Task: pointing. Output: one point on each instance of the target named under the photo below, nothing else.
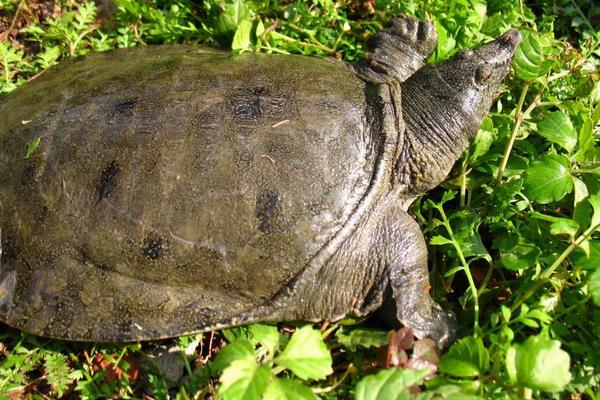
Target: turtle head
(474, 76)
(443, 106)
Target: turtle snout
(511, 38)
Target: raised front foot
(419, 35)
(399, 50)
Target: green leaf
(581, 191)
(233, 12)
(288, 389)
(557, 127)
(237, 350)
(564, 226)
(260, 29)
(594, 200)
(594, 286)
(239, 332)
(465, 225)
(363, 337)
(389, 384)
(468, 357)
(482, 142)
(539, 364)
(244, 380)
(466, 391)
(591, 260)
(548, 179)
(306, 355)
(32, 147)
(241, 39)
(528, 58)
(445, 42)
(439, 240)
(267, 335)
(517, 252)
(586, 140)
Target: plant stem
(278, 369)
(465, 268)
(544, 276)
(515, 131)
(463, 180)
(587, 171)
(336, 384)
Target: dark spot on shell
(153, 247)
(124, 108)
(266, 209)
(246, 104)
(28, 175)
(108, 180)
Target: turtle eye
(483, 73)
(465, 53)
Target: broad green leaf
(445, 42)
(244, 380)
(595, 202)
(548, 179)
(591, 260)
(237, 350)
(239, 332)
(465, 225)
(468, 357)
(362, 337)
(517, 252)
(594, 286)
(232, 13)
(482, 142)
(557, 127)
(288, 389)
(241, 39)
(389, 384)
(538, 363)
(586, 140)
(528, 57)
(306, 355)
(451, 391)
(564, 226)
(267, 335)
(581, 191)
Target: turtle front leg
(408, 279)
(399, 50)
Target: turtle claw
(399, 50)
(418, 35)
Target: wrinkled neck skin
(438, 129)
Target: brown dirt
(24, 14)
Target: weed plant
(513, 232)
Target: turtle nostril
(513, 36)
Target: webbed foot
(399, 50)
(419, 35)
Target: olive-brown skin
(177, 189)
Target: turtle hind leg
(399, 50)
